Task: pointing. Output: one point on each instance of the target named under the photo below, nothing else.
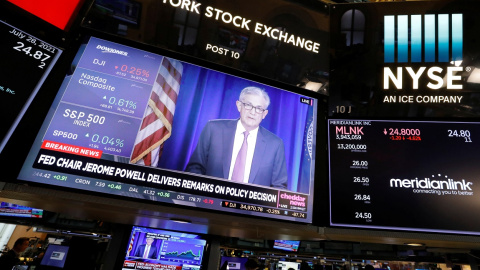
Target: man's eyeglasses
(249, 106)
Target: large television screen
(160, 249)
(404, 175)
(135, 123)
(19, 211)
(26, 62)
(287, 245)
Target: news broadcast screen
(138, 124)
(160, 249)
(287, 245)
(15, 210)
(404, 175)
(21, 53)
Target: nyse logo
(423, 39)
(431, 31)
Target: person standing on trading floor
(10, 259)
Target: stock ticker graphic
(175, 251)
(409, 36)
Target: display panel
(159, 249)
(233, 263)
(55, 256)
(57, 12)
(404, 175)
(23, 56)
(123, 107)
(287, 245)
(405, 59)
(14, 210)
(288, 265)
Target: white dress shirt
(237, 144)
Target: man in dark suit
(223, 143)
(147, 251)
(11, 258)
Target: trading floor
(239, 135)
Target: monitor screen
(55, 256)
(139, 124)
(404, 175)
(287, 245)
(25, 55)
(233, 263)
(288, 266)
(160, 249)
(421, 63)
(57, 12)
(14, 210)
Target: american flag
(130, 246)
(157, 121)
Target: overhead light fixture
(183, 221)
(415, 244)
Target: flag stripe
(174, 70)
(167, 88)
(166, 108)
(147, 159)
(149, 130)
(149, 119)
(147, 142)
(158, 117)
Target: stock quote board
(26, 62)
(403, 117)
(404, 175)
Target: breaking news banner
(169, 180)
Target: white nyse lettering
(433, 76)
(415, 76)
(433, 73)
(451, 77)
(388, 74)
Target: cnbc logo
(423, 40)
